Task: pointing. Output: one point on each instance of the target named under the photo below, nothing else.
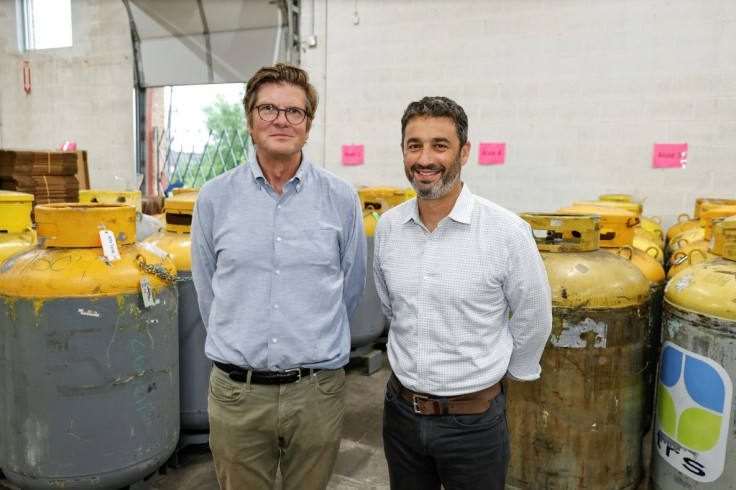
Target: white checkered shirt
(448, 295)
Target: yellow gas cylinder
(382, 198)
(16, 228)
(563, 426)
(145, 225)
(645, 240)
(682, 256)
(375, 201)
(367, 323)
(684, 222)
(617, 236)
(653, 223)
(90, 377)
(194, 366)
(684, 238)
(694, 436)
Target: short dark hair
(280, 73)
(437, 107)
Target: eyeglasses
(269, 113)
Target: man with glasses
(279, 262)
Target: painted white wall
(579, 91)
(83, 93)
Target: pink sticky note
(352, 154)
(668, 155)
(491, 153)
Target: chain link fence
(179, 163)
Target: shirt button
(278, 238)
(276, 307)
(278, 206)
(274, 340)
(278, 271)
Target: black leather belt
(236, 373)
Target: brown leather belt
(470, 404)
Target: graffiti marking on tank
(88, 312)
(579, 336)
(72, 434)
(683, 283)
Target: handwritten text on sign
(669, 155)
(491, 153)
(352, 154)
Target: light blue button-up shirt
(277, 277)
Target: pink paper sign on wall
(491, 153)
(669, 155)
(352, 154)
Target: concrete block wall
(83, 93)
(579, 90)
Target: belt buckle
(415, 398)
(298, 373)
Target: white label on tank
(574, 335)
(109, 245)
(691, 425)
(147, 293)
(88, 313)
(162, 254)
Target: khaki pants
(254, 428)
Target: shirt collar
(461, 211)
(298, 177)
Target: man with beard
(467, 297)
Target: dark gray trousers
(459, 452)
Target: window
(48, 24)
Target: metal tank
(194, 366)
(617, 236)
(579, 426)
(694, 438)
(16, 228)
(375, 201)
(653, 223)
(89, 371)
(145, 225)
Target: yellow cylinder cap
(382, 198)
(557, 232)
(699, 202)
(78, 225)
(729, 239)
(617, 224)
(179, 210)
(183, 190)
(709, 212)
(15, 211)
(634, 207)
(616, 197)
(105, 196)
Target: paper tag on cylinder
(147, 293)
(109, 245)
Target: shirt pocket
(319, 247)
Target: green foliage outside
(229, 144)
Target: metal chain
(161, 272)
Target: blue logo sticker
(693, 410)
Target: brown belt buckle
(416, 398)
(298, 373)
